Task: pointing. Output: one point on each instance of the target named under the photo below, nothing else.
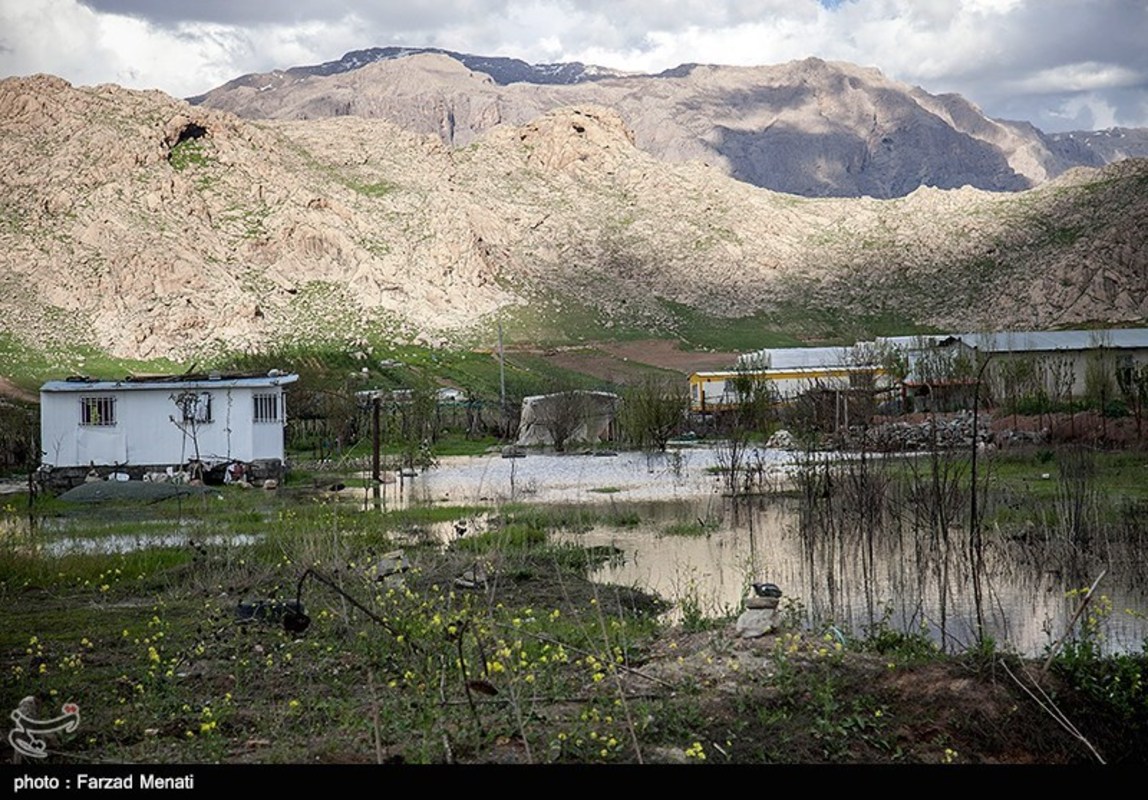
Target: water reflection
(586, 478)
(905, 582)
(856, 552)
(842, 558)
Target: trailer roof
(180, 382)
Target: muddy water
(901, 581)
(580, 478)
(710, 570)
(115, 543)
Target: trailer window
(195, 408)
(266, 408)
(98, 411)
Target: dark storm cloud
(401, 15)
(1043, 35)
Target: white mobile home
(1057, 366)
(153, 423)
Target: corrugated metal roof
(912, 342)
(759, 373)
(89, 385)
(1036, 341)
(772, 358)
(797, 357)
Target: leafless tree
(652, 411)
(560, 414)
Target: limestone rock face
(809, 127)
(144, 226)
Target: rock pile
(782, 440)
(954, 432)
(761, 615)
(940, 433)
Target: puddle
(1026, 607)
(574, 478)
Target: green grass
(791, 324)
(376, 189)
(147, 642)
(569, 517)
(700, 330)
(28, 366)
(428, 514)
(510, 537)
(551, 320)
(25, 569)
(1016, 495)
(189, 153)
(685, 528)
(1120, 475)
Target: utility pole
(501, 382)
(376, 476)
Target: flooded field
(687, 540)
(679, 534)
(710, 573)
(576, 478)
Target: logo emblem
(24, 738)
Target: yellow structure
(712, 392)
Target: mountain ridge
(144, 226)
(808, 127)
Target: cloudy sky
(1061, 64)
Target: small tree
(20, 436)
(1100, 374)
(1133, 382)
(652, 412)
(413, 427)
(752, 413)
(1060, 379)
(560, 413)
(192, 409)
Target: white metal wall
(146, 429)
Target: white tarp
(577, 416)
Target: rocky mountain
(812, 128)
(144, 226)
(1095, 148)
(503, 71)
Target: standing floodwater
(853, 543)
(703, 557)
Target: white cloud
(1087, 111)
(1087, 77)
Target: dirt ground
(9, 389)
(791, 698)
(623, 362)
(795, 697)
